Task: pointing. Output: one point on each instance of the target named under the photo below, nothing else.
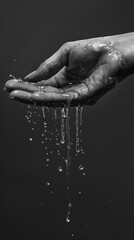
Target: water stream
(62, 137)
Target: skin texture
(79, 73)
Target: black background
(30, 32)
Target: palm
(79, 73)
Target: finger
(59, 80)
(39, 98)
(51, 66)
(28, 87)
(20, 85)
(97, 82)
(47, 99)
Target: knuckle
(66, 45)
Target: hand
(79, 73)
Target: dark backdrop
(30, 32)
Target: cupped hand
(79, 73)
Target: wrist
(125, 44)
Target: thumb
(51, 66)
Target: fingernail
(30, 75)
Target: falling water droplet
(68, 218)
(68, 213)
(60, 169)
(48, 183)
(81, 167)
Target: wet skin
(79, 73)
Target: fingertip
(11, 95)
(30, 76)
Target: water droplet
(81, 167)
(68, 212)
(55, 113)
(43, 112)
(68, 218)
(30, 139)
(62, 141)
(11, 76)
(63, 113)
(48, 183)
(60, 169)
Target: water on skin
(13, 77)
